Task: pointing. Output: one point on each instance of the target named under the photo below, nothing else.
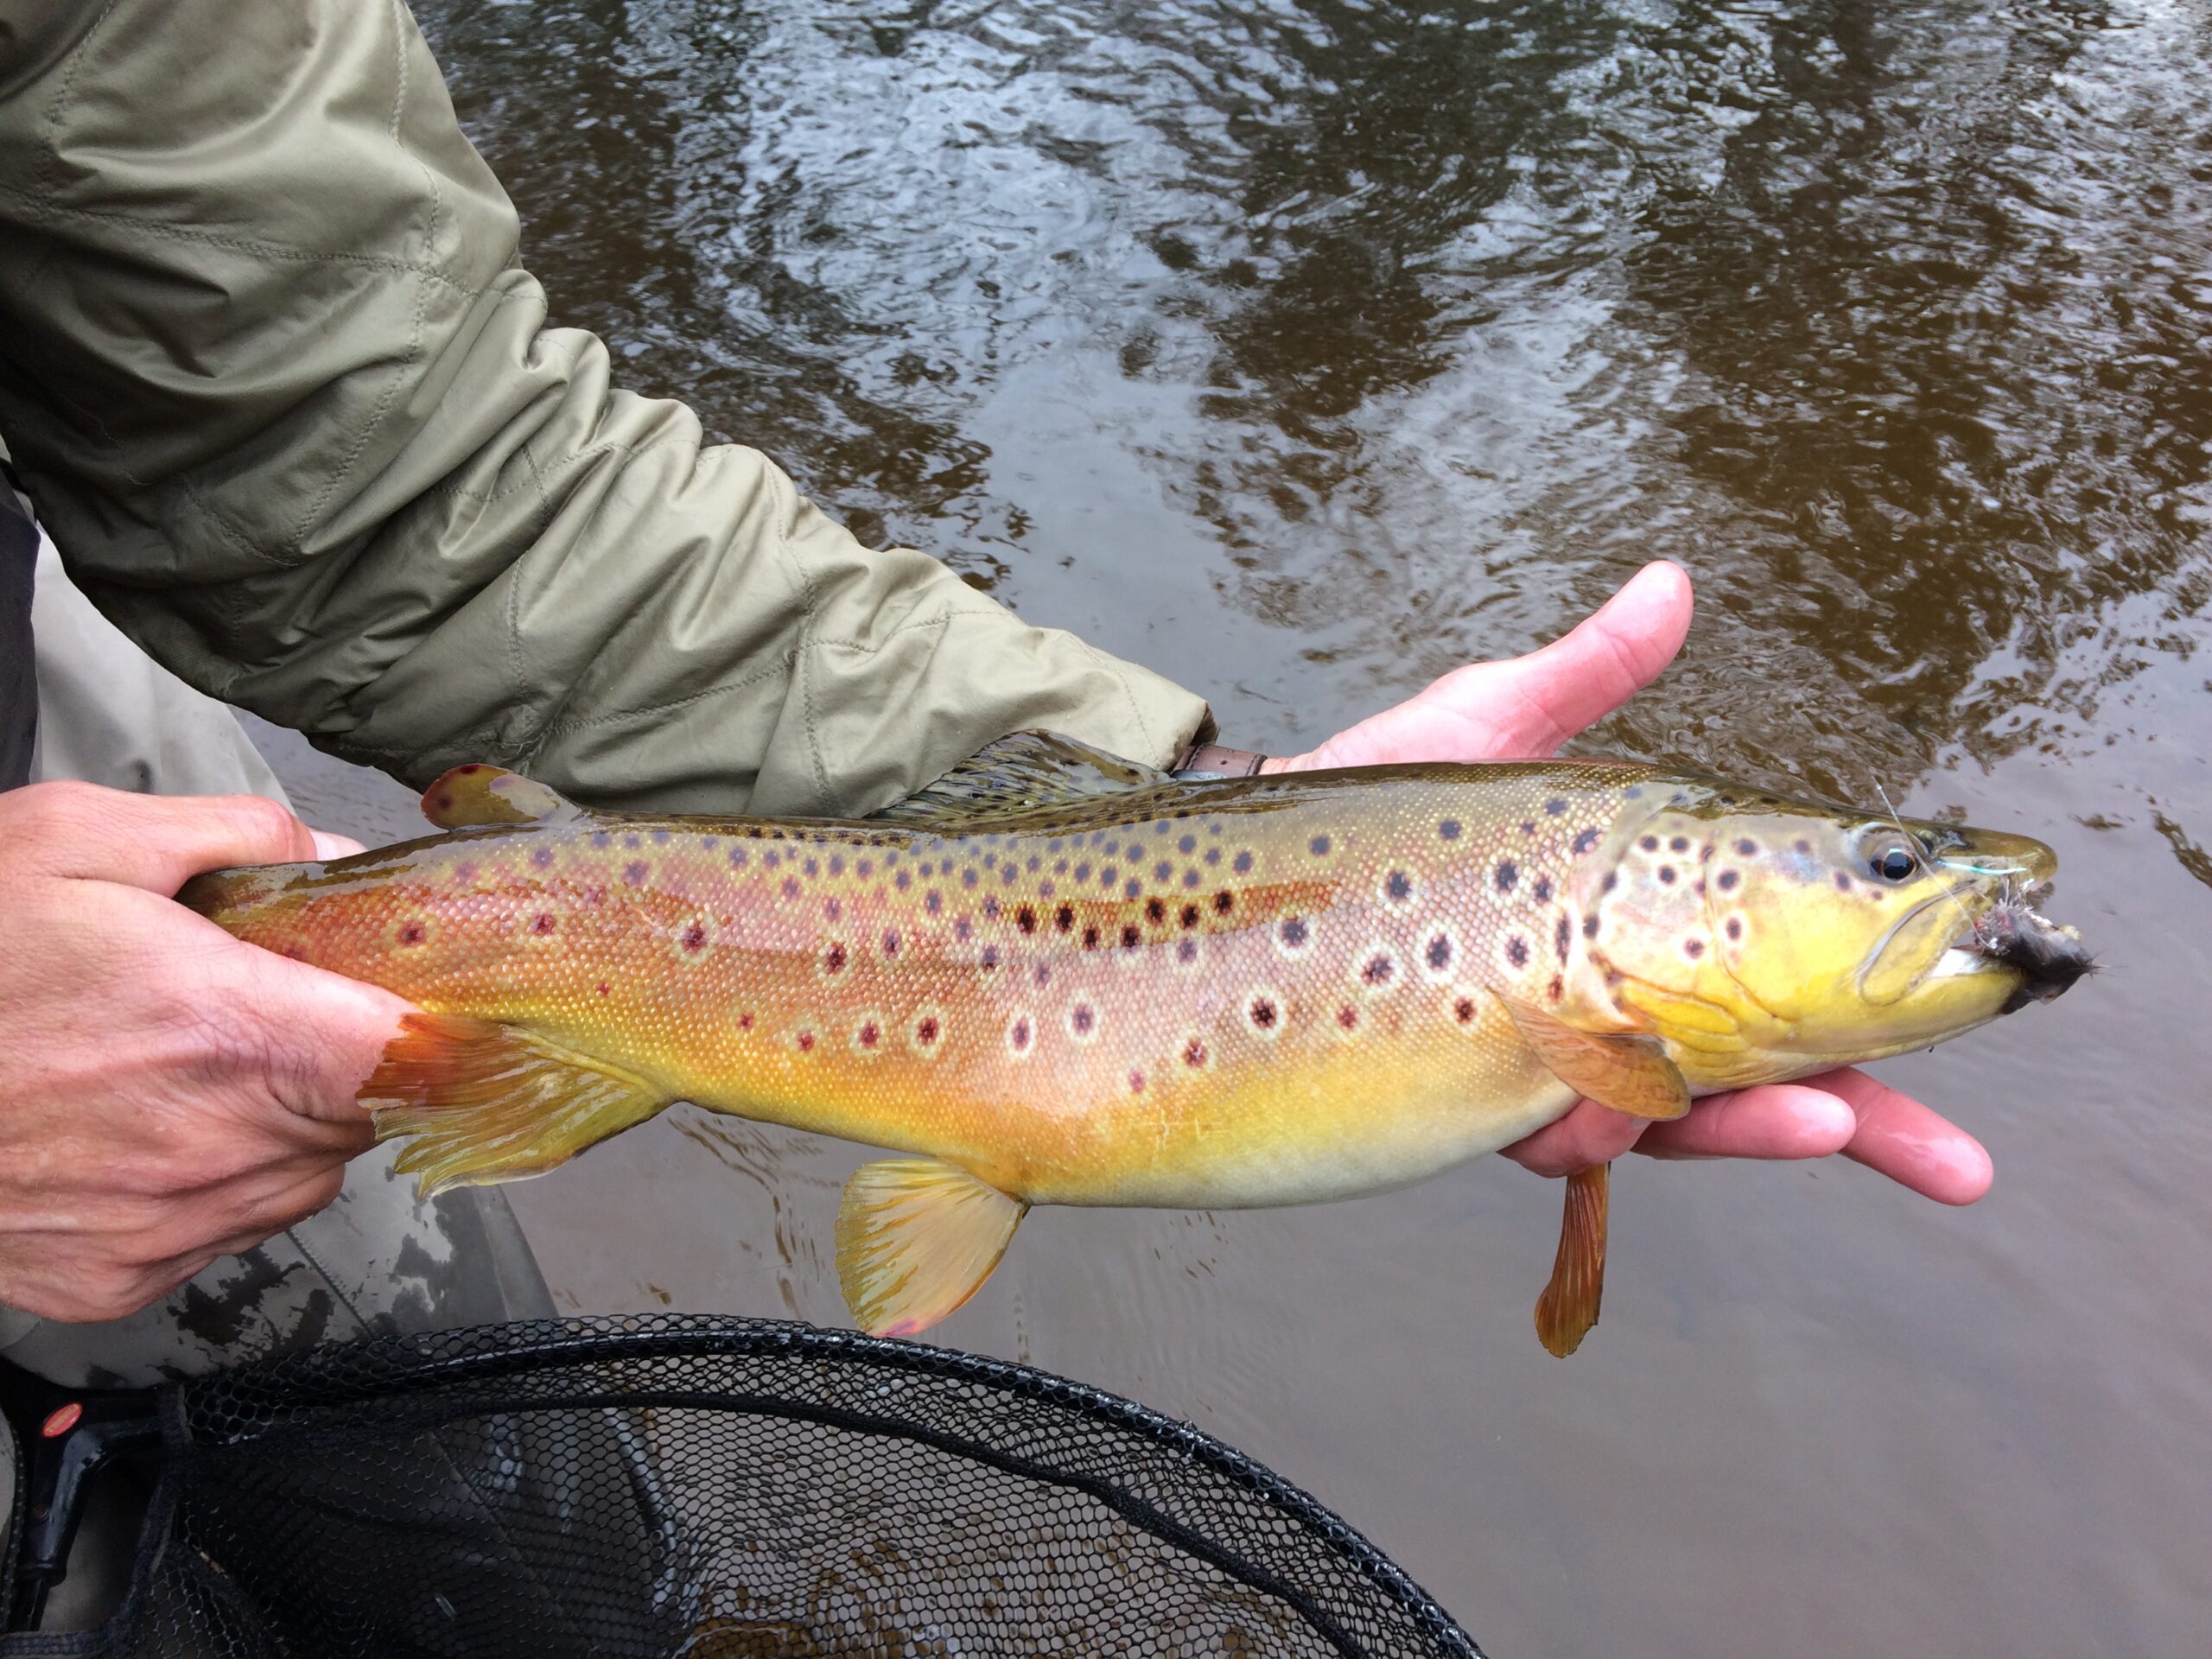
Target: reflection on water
(1305, 350)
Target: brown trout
(1057, 977)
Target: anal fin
(1568, 1306)
(486, 1102)
(916, 1238)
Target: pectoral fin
(486, 1102)
(479, 794)
(1568, 1306)
(1625, 1071)
(916, 1238)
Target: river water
(1303, 351)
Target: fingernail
(327, 846)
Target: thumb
(320, 1035)
(1542, 699)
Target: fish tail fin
(1568, 1306)
(483, 1102)
(916, 1238)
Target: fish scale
(1266, 991)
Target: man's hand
(1524, 708)
(168, 1093)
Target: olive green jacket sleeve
(290, 408)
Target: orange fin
(488, 1102)
(1625, 1071)
(916, 1238)
(1568, 1306)
(478, 794)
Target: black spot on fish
(1263, 1013)
(1083, 871)
(1554, 806)
(1130, 889)
(1110, 876)
(1222, 901)
(1188, 843)
(1132, 936)
(1187, 951)
(890, 941)
(1590, 926)
(1516, 951)
(1091, 937)
(1507, 873)
(1805, 847)
(1842, 881)
(1379, 970)
(1242, 863)
(1735, 927)
(1542, 890)
(1692, 949)
(1666, 875)
(1449, 829)
(1563, 938)
(1154, 911)
(1189, 878)
(1399, 885)
(1649, 843)
(1162, 870)
(1026, 919)
(1748, 848)
(1317, 846)
(1439, 953)
(1679, 844)
(1634, 792)
(1295, 933)
(1190, 916)
(1583, 842)
(1726, 880)
(1063, 917)
(990, 961)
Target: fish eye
(1893, 860)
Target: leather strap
(1214, 760)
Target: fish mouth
(2013, 934)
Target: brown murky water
(1302, 350)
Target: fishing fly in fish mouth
(1058, 977)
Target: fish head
(1764, 938)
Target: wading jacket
(277, 386)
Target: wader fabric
(282, 394)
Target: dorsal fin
(478, 794)
(1022, 772)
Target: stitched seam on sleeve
(258, 248)
(616, 716)
(55, 115)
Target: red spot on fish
(926, 1031)
(1378, 970)
(1190, 915)
(602, 988)
(1091, 937)
(868, 1034)
(470, 770)
(1063, 917)
(1263, 1013)
(1132, 937)
(1556, 988)
(412, 933)
(744, 1020)
(1222, 902)
(1136, 1083)
(1026, 919)
(1194, 1053)
(1082, 1018)
(833, 960)
(805, 1042)
(695, 937)
(1348, 1016)
(1155, 909)
(544, 924)
(890, 941)
(1464, 1010)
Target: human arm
(290, 408)
(1525, 708)
(168, 1093)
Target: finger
(1549, 695)
(328, 846)
(313, 1036)
(1906, 1142)
(1588, 1135)
(156, 842)
(1777, 1120)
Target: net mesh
(714, 1487)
